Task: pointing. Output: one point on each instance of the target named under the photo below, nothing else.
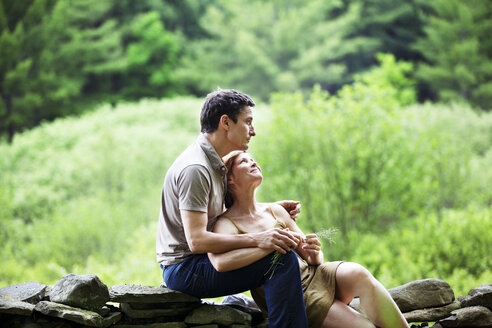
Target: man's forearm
(237, 258)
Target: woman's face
(245, 171)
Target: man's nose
(252, 131)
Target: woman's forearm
(237, 258)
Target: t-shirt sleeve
(194, 188)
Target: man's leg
(196, 276)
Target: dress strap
(273, 213)
(280, 223)
(241, 231)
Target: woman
(328, 287)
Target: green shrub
(453, 246)
(366, 159)
(79, 188)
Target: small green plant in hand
(326, 234)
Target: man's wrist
(250, 239)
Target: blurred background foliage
(376, 117)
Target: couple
(208, 253)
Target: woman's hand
(312, 248)
(281, 240)
(292, 207)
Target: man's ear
(224, 122)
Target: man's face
(241, 132)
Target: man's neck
(218, 141)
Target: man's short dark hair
(222, 102)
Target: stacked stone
(432, 300)
(145, 306)
(73, 302)
(84, 301)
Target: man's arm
(292, 207)
(202, 241)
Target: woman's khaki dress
(318, 284)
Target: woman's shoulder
(225, 225)
(278, 210)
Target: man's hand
(292, 207)
(281, 240)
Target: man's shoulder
(191, 156)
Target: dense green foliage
(59, 58)
(407, 185)
(457, 50)
(79, 193)
(370, 164)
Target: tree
(59, 58)
(18, 34)
(152, 57)
(263, 47)
(458, 51)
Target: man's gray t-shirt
(196, 181)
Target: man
(192, 199)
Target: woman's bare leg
(352, 280)
(341, 315)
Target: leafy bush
(79, 188)
(367, 159)
(454, 246)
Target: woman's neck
(244, 205)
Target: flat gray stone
(480, 296)
(422, 294)
(147, 294)
(153, 313)
(431, 314)
(111, 319)
(217, 314)
(482, 289)
(31, 291)
(475, 316)
(156, 325)
(173, 305)
(14, 306)
(80, 316)
(83, 291)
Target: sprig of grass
(275, 260)
(326, 234)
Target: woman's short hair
(229, 163)
(222, 102)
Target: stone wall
(85, 301)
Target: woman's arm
(236, 258)
(310, 248)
